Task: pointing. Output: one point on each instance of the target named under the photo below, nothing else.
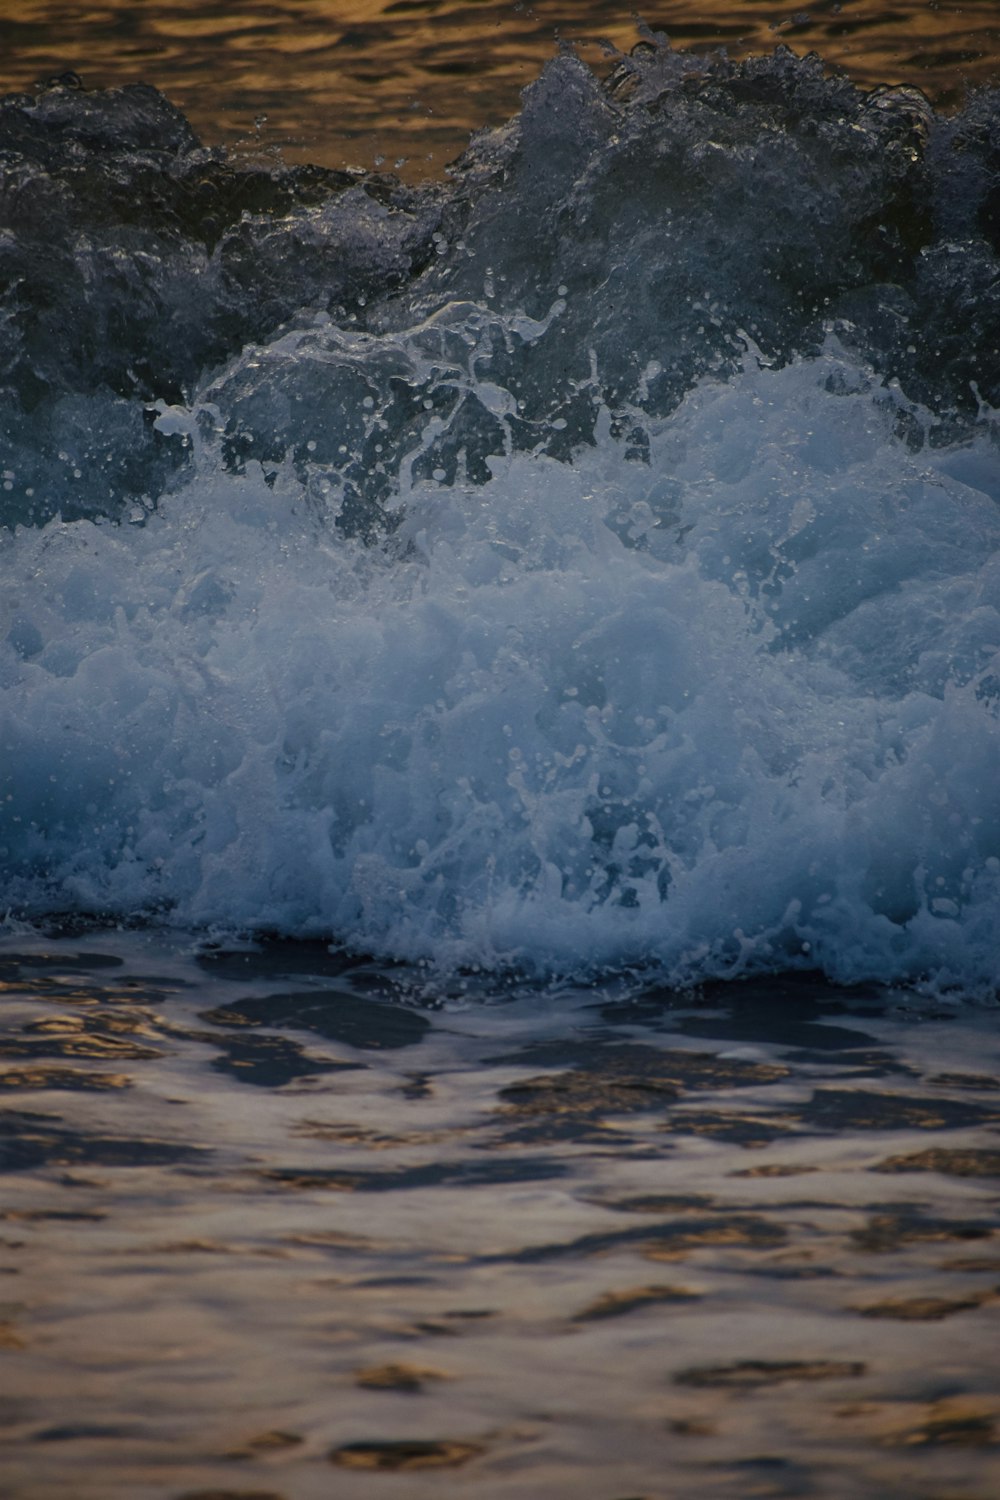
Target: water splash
(588, 562)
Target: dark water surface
(345, 81)
(280, 1223)
(270, 1228)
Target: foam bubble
(734, 707)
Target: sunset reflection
(499, 814)
(342, 82)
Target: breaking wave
(591, 560)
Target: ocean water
(271, 1229)
(587, 561)
(364, 81)
(500, 798)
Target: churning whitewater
(590, 561)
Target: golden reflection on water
(442, 1266)
(344, 81)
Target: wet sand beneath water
(268, 1232)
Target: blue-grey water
(500, 798)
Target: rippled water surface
(273, 1227)
(341, 81)
(572, 578)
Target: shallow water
(270, 1227)
(577, 578)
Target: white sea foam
(736, 708)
